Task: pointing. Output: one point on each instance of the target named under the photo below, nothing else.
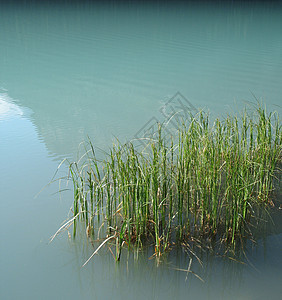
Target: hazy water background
(76, 69)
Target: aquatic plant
(205, 183)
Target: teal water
(72, 70)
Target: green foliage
(207, 181)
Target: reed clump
(204, 183)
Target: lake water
(75, 69)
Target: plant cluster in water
(206, 183)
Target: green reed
(206, 181)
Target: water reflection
(103, 70)
(224, 278)
(8, 109)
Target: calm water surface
(68, 71)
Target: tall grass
(207, 181)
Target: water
(72, 70)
